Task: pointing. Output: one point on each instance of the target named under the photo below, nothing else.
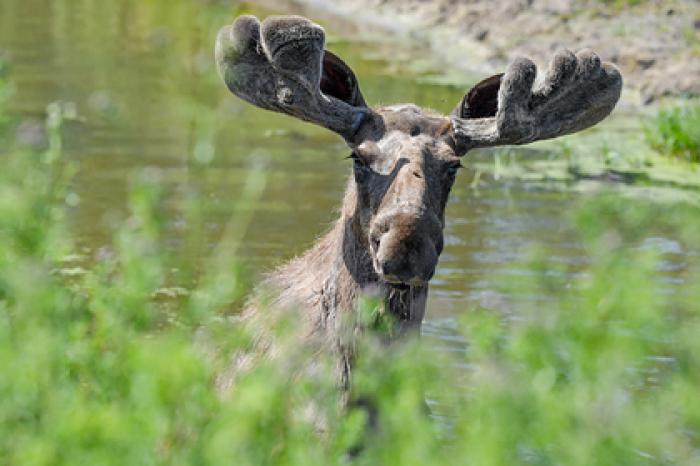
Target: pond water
(142, 78)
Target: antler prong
(578, 91)
(278, 65)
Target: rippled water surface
(141, 76)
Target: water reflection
(142, 77)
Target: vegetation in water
(116, 361)
(623, 3)
(676, 131)
(644, 158)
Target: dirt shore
(655, 43)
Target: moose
(389, 236)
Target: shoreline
(656, 45)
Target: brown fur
(389, 235)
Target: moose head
(405, 157)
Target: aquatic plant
(676, 131)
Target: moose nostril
(396, 269)
(374, 241)
(390, 267)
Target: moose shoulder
(405, 159)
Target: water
(143, 81)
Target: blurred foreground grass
(108, 365)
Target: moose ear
(338, 80)
(481, 101)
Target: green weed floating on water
(676, 131)
(99, 368)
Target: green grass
(99, 367)
(5, 90)
(676, 131)
(623, 3)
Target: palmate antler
(281, 65)
(577, 92)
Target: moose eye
(360, 167)
(452, 169)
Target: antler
(578, 91)
(280, 65)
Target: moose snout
(405, 248)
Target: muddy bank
(656, 44)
